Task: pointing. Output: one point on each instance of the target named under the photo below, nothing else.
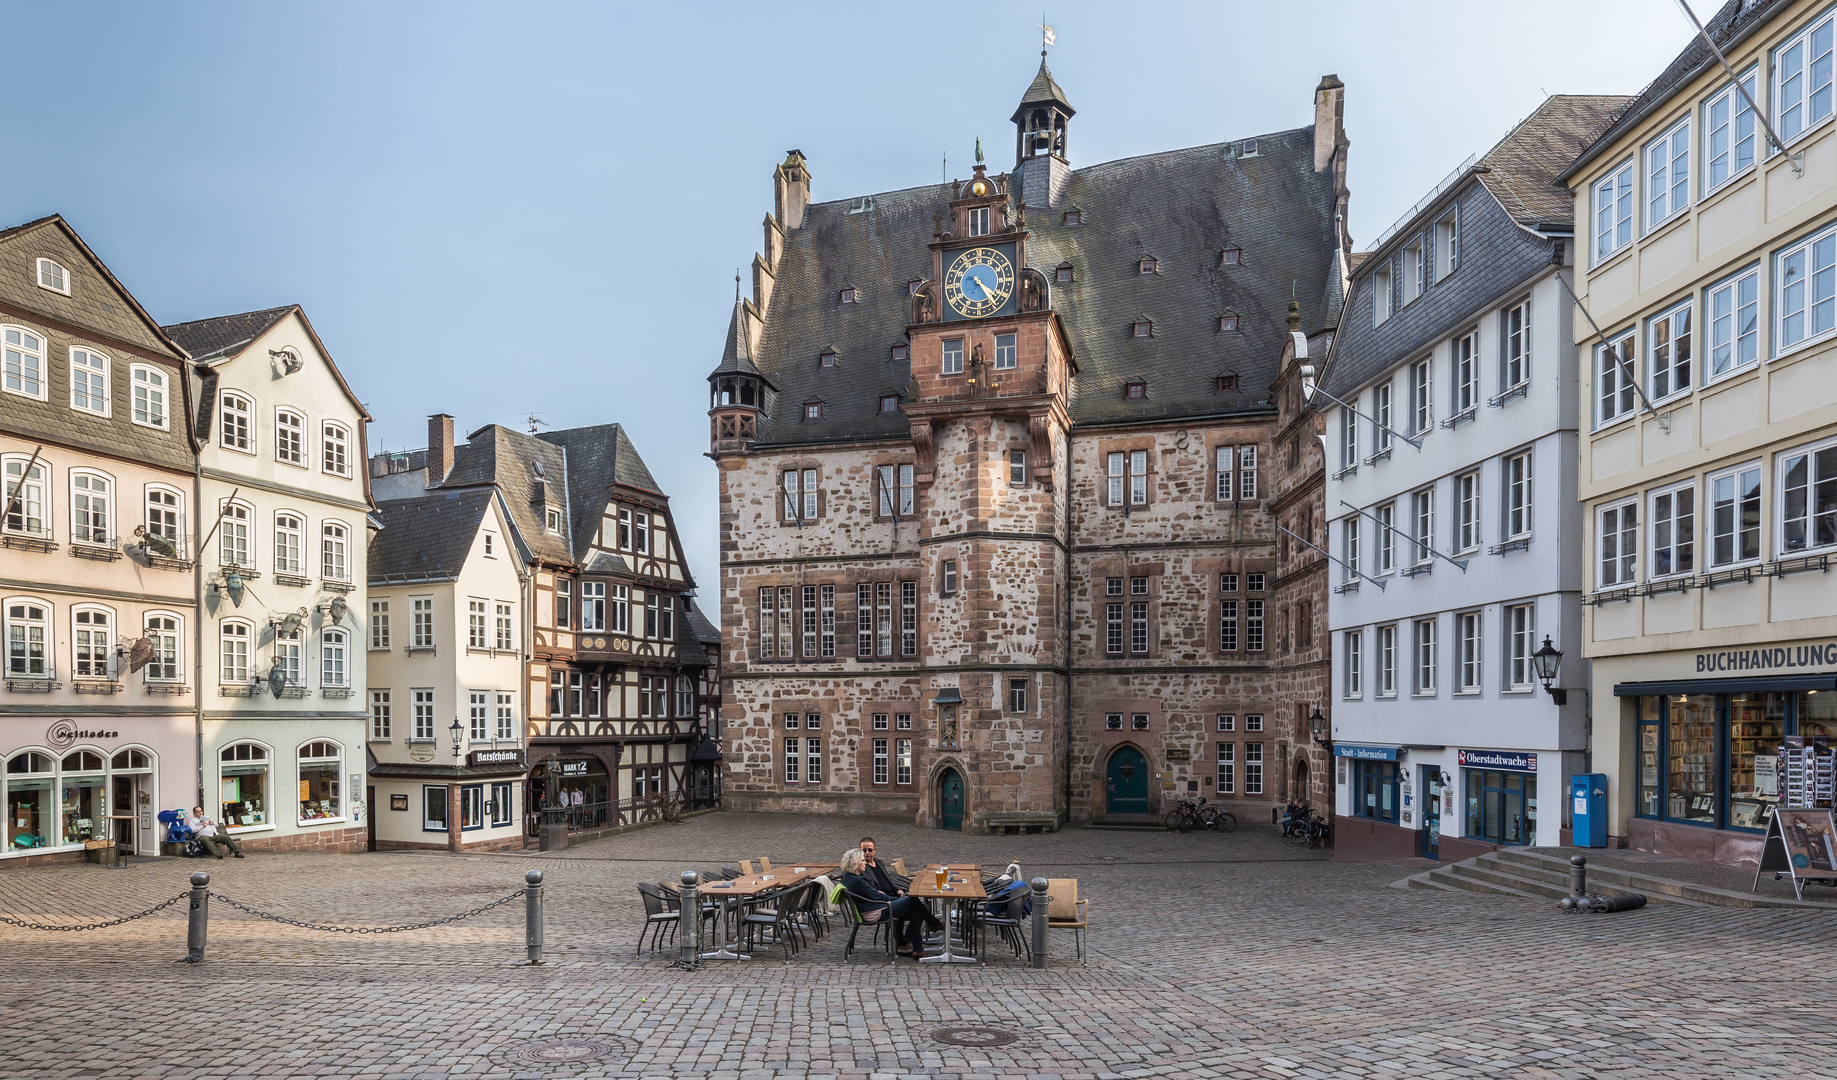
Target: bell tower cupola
(1040, 155)
(738, 392)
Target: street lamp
(1545, 662)
(1323, 732)
(457, 731)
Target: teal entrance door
(950, 800)
(1128, 782)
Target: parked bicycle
(1189, 814)
(1295, 820)
(1317, 832)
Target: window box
(1741, 575)
(168, 688)
(337, 586)
(293, 580)
(33, 686)
(1459, 418)
(92, 686)
(1805, 564)
(28, 543)
(1522, 543)
(1498, 401)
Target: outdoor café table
(965, 884)
(730, 893)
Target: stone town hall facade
(1002, 467)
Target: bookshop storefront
(1714, 754)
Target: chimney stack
(439, 448)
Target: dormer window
(1227, 323)
(827, 358)
(1074, 217)
(1227, 383)
(1136, 390)
(813, 410)
(848, 295)
(1228, 257)
(1063, 275)
(889, 403)
(901, 352)
(1143, 328)
(1147, 266)
(1247, 148)
(54, 277)
(979, 221)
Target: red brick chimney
(439, 448)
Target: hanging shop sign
(1509, 760)
(512, 756)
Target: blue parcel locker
(1588, 809)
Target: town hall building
(1020, 501)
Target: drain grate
(570, 1051)
(974, 1036)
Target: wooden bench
(1010, 822)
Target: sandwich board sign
(1802, 843)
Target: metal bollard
(689, 921)
(532, 915)
(1578, 875)
(200, 918)
(1041, 909)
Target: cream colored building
(284, 509)
(447, 640)
(1707, 259)
(97, 704)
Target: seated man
(877, 904)
(210, 837)
(881, 876)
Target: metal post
(532, 915)
(1041, 905)
(689, 919)
(1578, 876)
(200, 918)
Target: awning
(1743, 685)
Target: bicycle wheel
(1225, 821)
(1299, 835)
(1208, 819)
(1172, 821)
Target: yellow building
(1707, 274)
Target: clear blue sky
(498, 210)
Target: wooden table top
(965, 884)
(751, 884)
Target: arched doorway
(1302, 792)
(950, 800)
(1127, 782)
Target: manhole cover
(572, 1050)
(974, 1036)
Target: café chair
(765, 865)
(779, 917)
(746, 867)
(730, 872)
(657, 916)
(1066, 912)
(850, 907)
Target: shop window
(1502, 806)
(433, 808)
(471, 806)
(501, 807)
(242, 786)
(1690, 766)
(1375, 790)
(83, 808)
(30, 817)
(1757, 726)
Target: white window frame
(289, 652)
(1352, 663)
(1790, 280)
(1017, 468)
(381, 715)
(1465, 354)
(1381, 396)
(1470, 627)
(952, 360)
(100, 644)
(24, 367)
(478, 716)
(290, 427)
(334, 657)
(421, 622)
(800, 494)
(235, 651)
(1520, 644)
(22, 466)
(175, 509)
(1611, 212)
(1227, 768)
(1425, 659)
(236, 428)
(1415, 271)
(1348, 442)
(1666, 162)
(592, 608)
(52, 276)
(1671, 530)
(506, 716)
(478, 625)
(91, 368)
(1382, 297)
(506, 621)
(1387, 661)
(1448, 243)
(1810, 502)
(20, 657)
(1615, 380)
(379, 623)
(1387, 538)
(1253, 780)
(1422, 394)
(1611, 525)
(1007, 352)
(168, 647)
(1422, 516)
(336, 762)
(1734, 128)
(289, 540)
(86, 532)
(551, 520)
(1519, 476)
(1729, 306)
(335, 550)
(148, 387)
(1737, 477)
(1671, 367)
(1349, 546)
(1467, 511)
(235, 537)
(421, 716)
(1793, 94)
(334, 449)
(1515, 345)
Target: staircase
(1531, 874)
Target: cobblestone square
(1212, 955)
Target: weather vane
(1046, 36)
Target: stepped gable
(1181, 208)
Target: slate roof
(737, 356)
(705, 632)
(598, 457)
(1734, 21)
(498, 455)
(1043, 89)
(52, 237)
(225, 335)
(1524, 165)
(689, 649)
(426, 538)
(1181, 207)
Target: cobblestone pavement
(1213, 956)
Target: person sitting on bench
(210, 836)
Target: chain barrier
(22, 924)
(362, 929)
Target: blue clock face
(979, 282)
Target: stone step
(1445, 877)
(1489, 871)
(1128, 822)
(1667, 890)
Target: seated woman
(876, 905)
